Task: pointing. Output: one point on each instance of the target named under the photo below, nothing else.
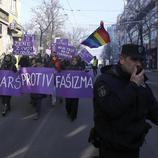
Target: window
(13, 6)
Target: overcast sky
(81, 13)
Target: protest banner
(28, 80)
(74, 84)
(69, 84)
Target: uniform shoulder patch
(101, 91)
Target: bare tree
(76, 36)
(47, 20)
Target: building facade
(139, 24)
(10, 27)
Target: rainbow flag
(98, 38)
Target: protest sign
(65, 52)
(85, 56)
(62, 41)
(25, 46)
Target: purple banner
(74, 84)
(26, 46)
(10, 83)
(69, 84)
(85, 55)
(63, 42)
(65, 52)
(37, 80)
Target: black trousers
(72, 107)
(106, 153)
(95, 70)
(36, 100)
(6, 100)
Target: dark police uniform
(120, 112)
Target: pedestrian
(56, 64)
(122, 103)
(7, 64)
(95, 65)
(36, 98)
(72, 103)
(24, 61)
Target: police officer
(122, 103)
(95, 65)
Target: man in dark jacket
(122, 103)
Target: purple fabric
(37, 80)
(26, 46)
(65, 52)
(74, 84)
(70, 84)
(10, 83)
(85, 55)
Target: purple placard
(63, 42)
(65, 52)
(10, 83)
(26, 46)
(74, 84)
(37, 80)
(85, 55)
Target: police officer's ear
(122, 59)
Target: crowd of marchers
(10, 62)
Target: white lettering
(11, 79)
(3, 82)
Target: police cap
(134, 51)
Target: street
(54, 135)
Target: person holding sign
(36, 98)
(95, 65)
(72, 103)
(7, 64)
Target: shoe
(72, 119)
(4, 109)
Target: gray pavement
(52, 136)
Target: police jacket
(121, 109)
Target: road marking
(76, 131)
(29, 116)
(38, 130)
(18, 152)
